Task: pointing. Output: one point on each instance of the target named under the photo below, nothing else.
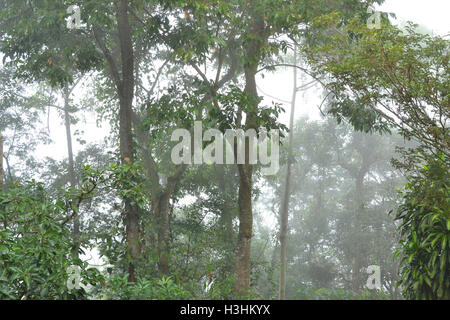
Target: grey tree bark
(243, 250)
(284, 214)
(71, 169)
(125, 82)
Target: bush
(35, 247)
(118, 288)
(312, 293)
(425, 230)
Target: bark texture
(284, 214)
(71, 169)
(243, 250)
(124, 82)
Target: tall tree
(284, 213)
(57, 46)
(264, 21)
(125, 85)
(71, 171)
(398, 89)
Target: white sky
(432, 13)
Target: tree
(266, 20)
(284, 214)
(35, 247)
(336, 230)
(425, 227)
(19, 125)
(42, 53)
(156, 66)
(67, 110)
(399, 78)
(382, 77)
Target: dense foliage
(425, 230)
(36, 250)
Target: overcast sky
(432, 13)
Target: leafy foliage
(425, 230)
(35, 248)
(311, 293)
(386, 77)
(118, 287)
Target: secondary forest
(359, 208)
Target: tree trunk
(284, 214)
(126, 95)
(71, 169)
(227, 219)
(242, 286)
(228, 210)
(160, 197)
(161, 216)
(243, 250)
(359, 203)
